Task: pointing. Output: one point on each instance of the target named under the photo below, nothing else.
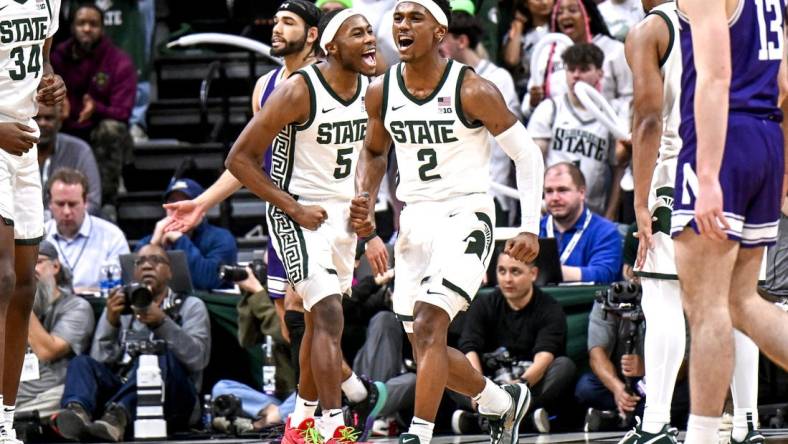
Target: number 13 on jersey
(770, 36)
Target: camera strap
(570, 247)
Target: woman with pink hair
(581, 21)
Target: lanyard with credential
(575, 237)
(81, 250)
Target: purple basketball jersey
(277, 277)
(754, 143)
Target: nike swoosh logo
(394, 108)
(434, 292)
(405, 441)
(328, 110)
(3, 7)
(335, 414)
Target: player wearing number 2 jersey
(26, 28)
(439, 114)
(729, 188)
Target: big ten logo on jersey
(577, 141)
(423, 131)
(444, 105)
(41, 4)
(347, 131)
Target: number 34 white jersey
(24, 26)
(440, 155)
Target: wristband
(371, 236)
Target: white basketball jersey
(317, 160)
(24, 26)
(440, 154)
(580, 138)
(670, 65)
(660, 261)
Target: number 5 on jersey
(344, 162)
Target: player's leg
(664, 348)
(7, 284)
(705, 268)
(744, 387)
(326, 360)
(762, 321)
(307, 399)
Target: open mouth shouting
(368, 56)
(404, 41)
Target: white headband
(434, 9)
(333, 26)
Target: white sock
(702, 429)
(332, 419)
(354, 389)
(744, 386)
(8, 413)
(744, 420)
(303, 409)
(493, 399)
(664, 348)
(421, 428)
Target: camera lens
(232, 273)
(140, 297)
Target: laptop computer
(181, 281)
(549, 263)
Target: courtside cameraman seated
(531, 326)
(104, 383)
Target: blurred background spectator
(58, 150)
(102, 84)
(60, 329)
(207, 246)
(84, 242)
(588, 244)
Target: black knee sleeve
(294, 320)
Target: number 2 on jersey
(33, 65)
(771, 40)
(430, 158)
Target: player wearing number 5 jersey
(26, 77)
(729, 188)
(320, 120)
(439, 114)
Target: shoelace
(311, 435)
(348, 434)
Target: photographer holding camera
(604, 390)
(144, 318)
(518, 334)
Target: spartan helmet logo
(476, 243)
(480, 240)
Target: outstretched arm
(288, 104)
(481, 101)
(710, 38)
(643, 54)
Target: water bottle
(207, 412)
(110, 278)
(269, 367)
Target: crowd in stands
(105, 54)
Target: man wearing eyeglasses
(108, 375)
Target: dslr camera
(138, 296)
(622, 299)
(237, 273)
(505, 368)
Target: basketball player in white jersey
(294, 39)
(654, 56)
(439, 114)
(321, 116)
(26, 77)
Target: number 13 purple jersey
(756, 34)
(750, 182)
